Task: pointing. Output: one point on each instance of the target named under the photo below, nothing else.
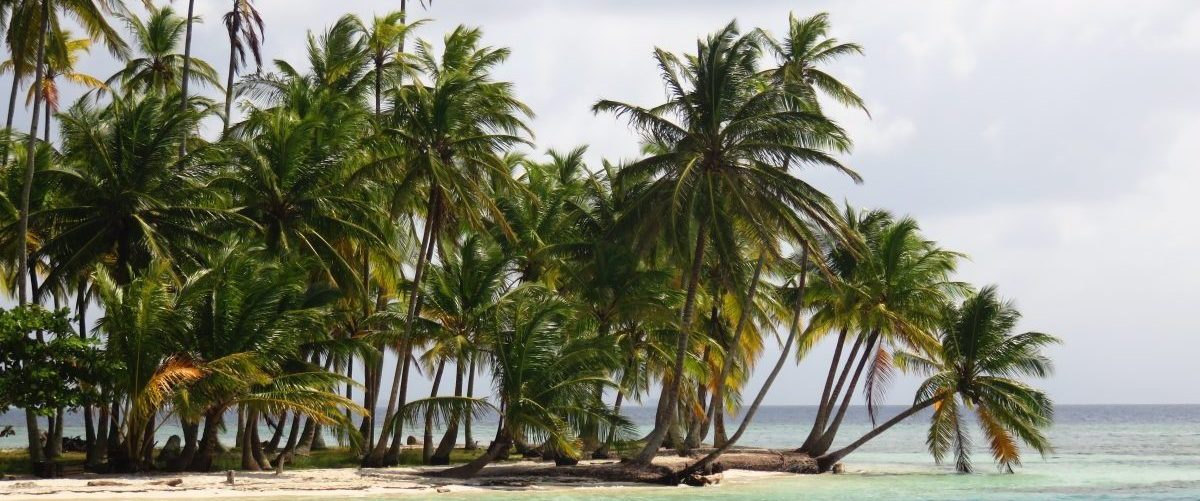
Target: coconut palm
(251, 317)
(977, 368)
(290, 181)
(158, 68)
(544, 378)
(60, 64)
(451, 130)
(806, 47)
(889, 294)
(385, 39)
(724, 141)
(126, 199)
(144, 320)
(244, 25)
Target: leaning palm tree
(159, 68)
(888, 294)
(450, 132)
(244, 25)
(544, 378)
(976, 368)
(722, 144)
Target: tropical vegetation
(380, 211)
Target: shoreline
(523, 475)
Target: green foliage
(45, 375)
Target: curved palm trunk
(670, 393)
(821, 422)
(187, 69)
(498, 449)
(12, 108)
(826, 441)
(442, 455)
(31, 424)
(718, 399)
(203, 459)
(786, 352)
(823, 407)
(429, 235)
(249, 462)
(826, 461)
(427, 438)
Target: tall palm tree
(724, 142)
(90, 13)
(450, 130)
(385, 39)
(244, 25)
(800, 76)
(159, 68)
(976, 368)
(801, 53)
(187, 62)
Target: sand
(331, 483)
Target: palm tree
(245, 27)
(544, 377)
(251, 318)
(61, 64)
(126, 201)
(889, 293)
(459, 301)
(721, 167)
(144, 320)
(807, 46)
(159, 68)
(187, 63)
(451, 129)
(290, 180)
(385, 47)
(976, 368)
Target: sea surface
(1102, 452)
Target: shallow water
(1101, 453)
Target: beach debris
(411, 440)
(23, 485)
(443, 490)
(229, 477)
(106, 483)
(699, 480)
(174, 482)
(839, 468)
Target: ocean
(1102, 452)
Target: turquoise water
(1101, 453)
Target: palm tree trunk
(277, 436)
(670, 392)
(228, 85)
(823, 408)
(240, 434)
(293, 436)
(442, 455)
(831, 432)
(393, 453)
(820, 423)
(31, 424)
(187, 70)
(498, 449)
(427, 439)
(248, 459)
(718, 400)
(12, 108)
(826, 461)
(428, 236)
(203, 459)
(256, 448)
(191, 432)
(98, 451)
(786, 352)
(467, 437)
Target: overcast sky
(1053, 142)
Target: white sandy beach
(323, 483)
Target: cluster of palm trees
(380, 200)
